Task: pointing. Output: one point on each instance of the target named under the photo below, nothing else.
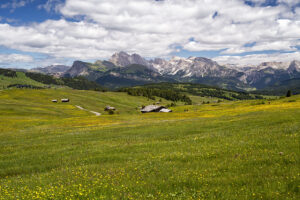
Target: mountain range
(123, 69)
(56, 70)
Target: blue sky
(29, 12)
(38, 33)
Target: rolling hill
(10, 78)
(19, 79)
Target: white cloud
(51, 5)
(235, 25)
(262, 46)
(12, 58)
(267, 2)
(257, 58)
(289, 2)
(156, 28)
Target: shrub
(111, 112)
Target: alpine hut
(65, 100)
(107, 108)
(154, 108)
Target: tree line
(203, 90)
(151, 93)
(8, 73)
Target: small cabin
(65, 100)
(155, 108)
(107, 108)
(54, 100)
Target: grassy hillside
(20, 79)
(12, 79)
(229, 150)
(37, 102)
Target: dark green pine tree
(289, 93)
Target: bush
(171, 105)
(24, 86)
(258, 103)
(111, 112)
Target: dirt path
(81, 108)
(95, 113)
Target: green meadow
(228, 150)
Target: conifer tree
(289, 93)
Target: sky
(39, 33)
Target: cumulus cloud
(157, 28)
(51, 5)
(13, 58)
(263, 46)
(274, 3)
(289, 2)
(255, 59)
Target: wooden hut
(154, 108)
(107, 108)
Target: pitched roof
(109, 108)
(152, 108)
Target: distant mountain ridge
(204, 70)
(56, 70)
(124, 69)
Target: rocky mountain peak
(294, 66)
(274, 65)
(123, 59)
(78, 68)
